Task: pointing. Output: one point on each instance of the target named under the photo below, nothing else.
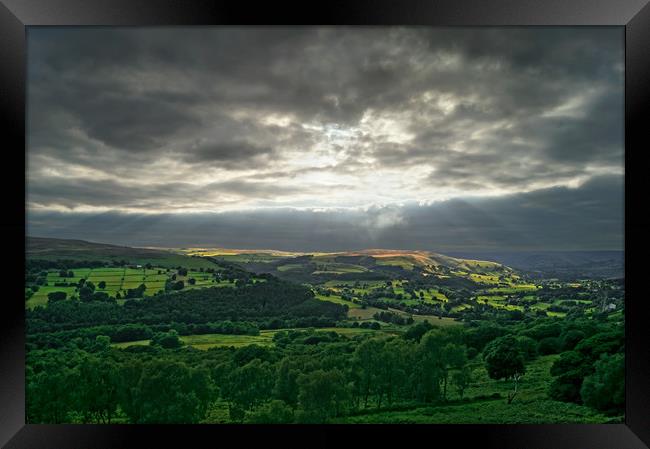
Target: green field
(433, 319)
(289, 267)
(119, 280)
(40, 297)
(484, 278)
(514, 288)
(265, 338)
(429, 295)
(405, 262)
(338, 300)
(245, 257)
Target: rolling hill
(81, 250)
(366, 264)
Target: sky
(327, 138)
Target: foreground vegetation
(325, 376)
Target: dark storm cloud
(192, 119)
(107, 193)
(589, 217)
(229, 154)
(136, 89)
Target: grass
(369, 312)
(429, 296)
(208, 341)
(338, 300)
(290, 267)
(435, 320)
(481, 298)
(405, 262)
(119, 280)
(487, 411)
(484, 278)
(363, 314)
(531, 405)
(265, 338)
(439, 296)
(40, 297)
(531, 386)
(514, 288)
(460, 307)
(244, 258)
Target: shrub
(605, 389)
(549, 345)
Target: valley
(428, 321)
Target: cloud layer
(558, 218)
(167, 121)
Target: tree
(569, 371)
(191, 281)
(100, 296)
(286, 383)
(247, 386)
(609, 342)
(429, 366)
(481, 335)
(571, 338)
(85, 293)
(462, 379)
(504, 360)
(392, 369)
(56, 296)
(605, 389)
(167, 340)
(96, 389)
(417, 331)
(102, 343)
(128, 393)
(322, 395)
(366, 361)
(454, 357)
(171, 392)
(528, 347)
(102, 285)
(50, 392)
(550, 345)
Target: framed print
(360, 222)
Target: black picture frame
(633, 15)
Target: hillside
(565, 265)
(367, 264)
(81, 250)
